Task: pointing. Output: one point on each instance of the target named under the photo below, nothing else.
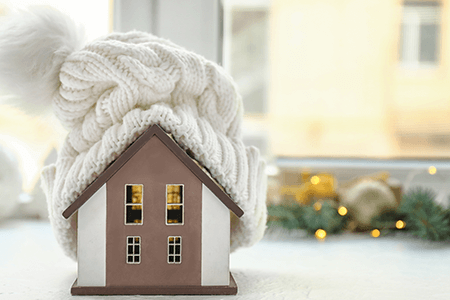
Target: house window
(174, 204)
(419, 39)
(133, 204)
(174, 250)
(133, 249)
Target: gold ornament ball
(317, 206)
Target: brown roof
(132, 150)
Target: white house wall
(92, 240)
(215, 240)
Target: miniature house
(154, 222)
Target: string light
(320, 234)
(400, 224)
(375, 233)
(317, 206)
(432, 170)
(315, 180)
(342, 210)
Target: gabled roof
(132, 150)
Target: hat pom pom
(33, 46)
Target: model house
(154, 222)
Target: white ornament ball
(367, 199)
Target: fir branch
(424, 217)
(327, 218)
(287, 216)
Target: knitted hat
(110, 92)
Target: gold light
(400, 224)
(375, 233)
(315, 180)
(342, 210)
(320, 234)
(317, 206)
(432, 170)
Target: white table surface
(282, 266)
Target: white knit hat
(111, 91)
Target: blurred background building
(344, 78)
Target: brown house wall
(154, 166)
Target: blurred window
(420, 34)
(248, 56)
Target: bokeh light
(320, 234)
(342, 210)
(375, 233)
(400, 224)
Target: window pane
(429, 42)
(249, 56)
(134, 193)
(130, 249)
(129, 193)
(134, 214)
(174, 214)
(174, 194)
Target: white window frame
(196, 25)
(131, 204)
(174, 255)
(133, 244)
(414, 17)
(180, 204)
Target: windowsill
(284, 265)
(416, 69)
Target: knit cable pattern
(115, 88)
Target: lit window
(174, 204)
(174, 250)
(419, 40)
(133, 203)
(133, 249)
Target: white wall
(92, 240)
(215, 240)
